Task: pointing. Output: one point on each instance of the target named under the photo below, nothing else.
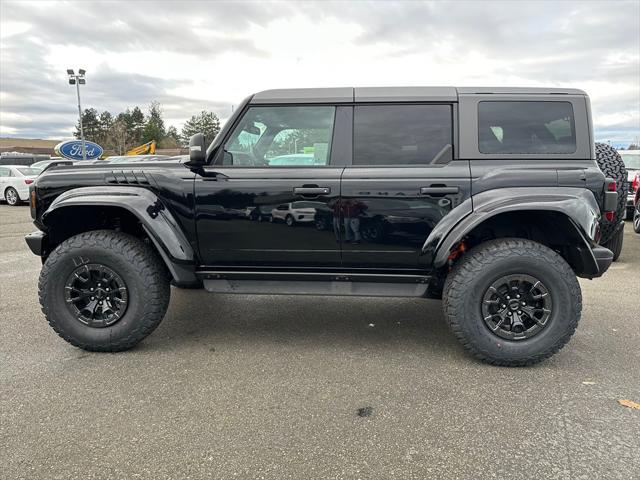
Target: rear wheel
(12, 197)
(512, 302)
(104, 290)
(636, 218)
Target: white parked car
(15, 181)
(295, 212)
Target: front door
(403, 181)
(269, 198)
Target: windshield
(30, 172)
(631, 160)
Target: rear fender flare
(578, 204)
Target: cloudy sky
(210, 55)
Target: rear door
(274, 157)
(404, 180)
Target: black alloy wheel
(517, 307)
(96, 295)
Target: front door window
(281, 137)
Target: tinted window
(526, 127)
(401, 134)
(282, 136)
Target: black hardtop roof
(395, 94)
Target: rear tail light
(636, 182)
(28, 181)
(610, 199)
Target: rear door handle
(438, 191)
(312, 191)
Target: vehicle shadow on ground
(195, 316)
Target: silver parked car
(15, 181)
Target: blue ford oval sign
(72, 150)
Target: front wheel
(104, 290)
(290, 221)
(512, 302)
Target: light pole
(78, 80)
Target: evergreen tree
(205, 122)
(154, 126)
(135, 127)
(90, 125)
(106, 122)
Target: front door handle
(440, 191)
(312, 191)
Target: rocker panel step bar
(303, 283)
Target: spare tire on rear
(612, 166)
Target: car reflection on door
(405, 221)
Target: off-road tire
(134, 261)
(612, 166)
(472, 275)
(12, 193)
(615, 243)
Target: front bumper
(37, 242)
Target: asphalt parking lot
(270, 387)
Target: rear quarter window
(527, 127)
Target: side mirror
(197, 151)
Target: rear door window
(526, 127)
(402, 134)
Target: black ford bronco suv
(490, 199)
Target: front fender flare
(155, 218)
(578, 204)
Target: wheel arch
(566, 220)
(132, 210)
